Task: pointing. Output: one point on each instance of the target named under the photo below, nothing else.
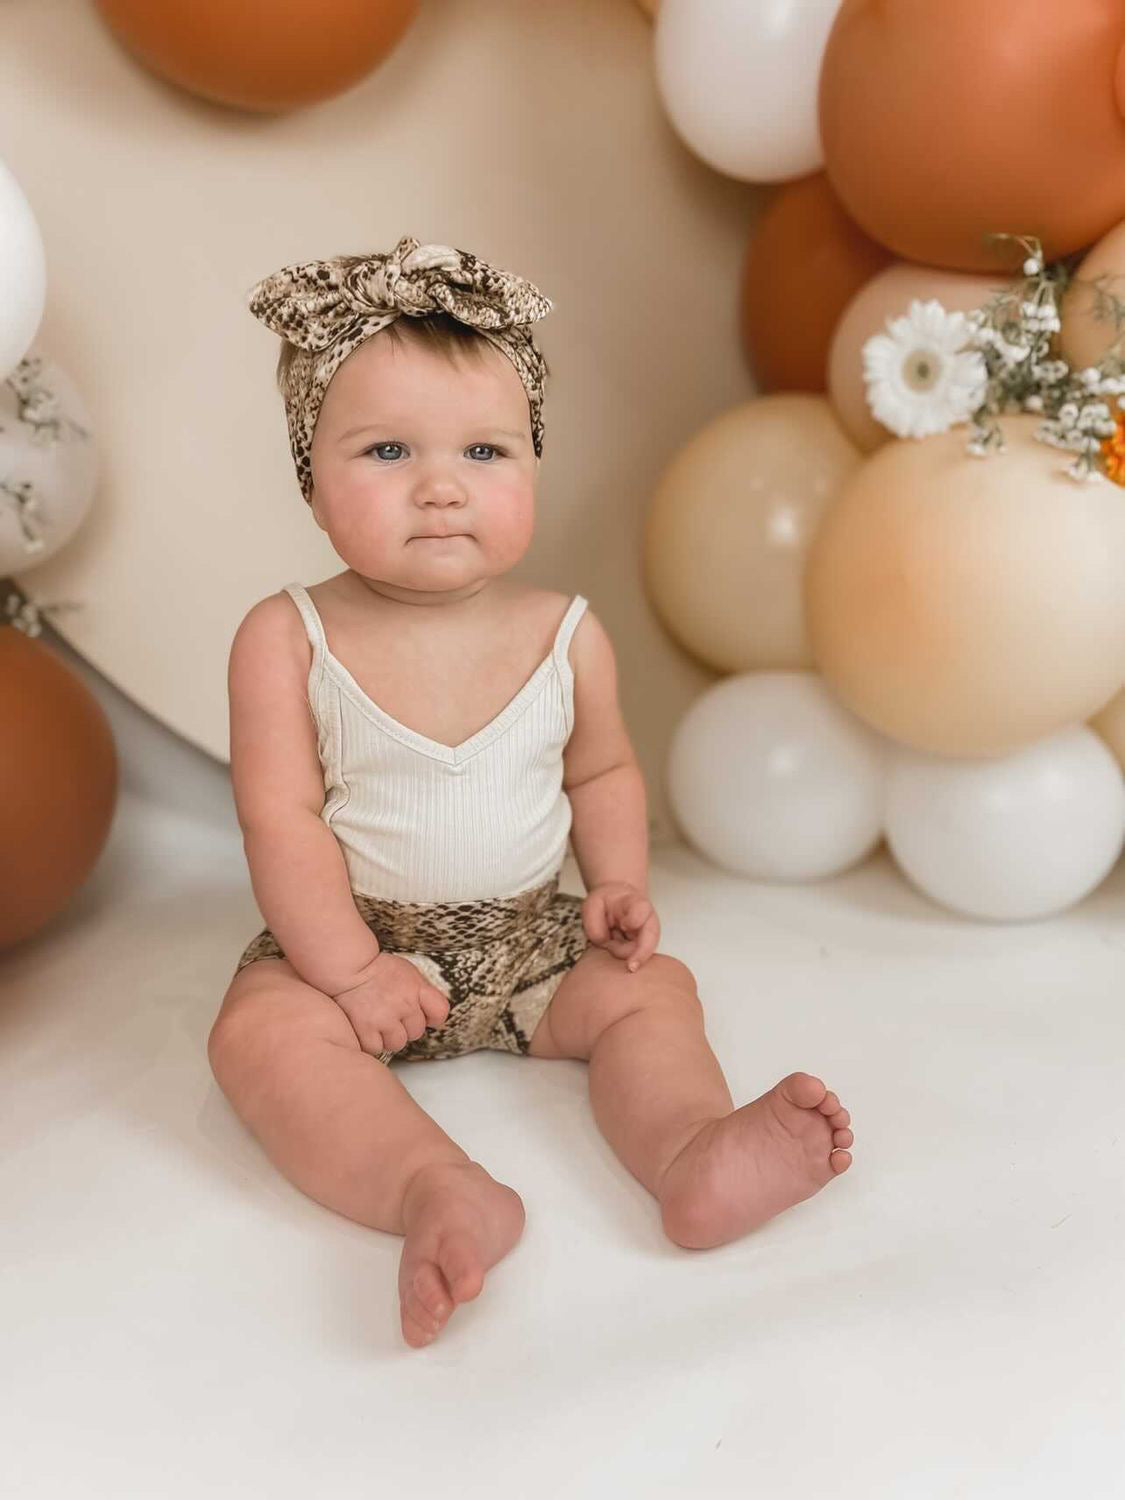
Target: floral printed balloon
(48, 463)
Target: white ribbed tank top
(421, 821)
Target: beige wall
(529, 133)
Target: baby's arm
(297, 868)
(607, 797)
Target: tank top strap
(314, 627)
(566, 629)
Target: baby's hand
(391, 1005)
(618, 918)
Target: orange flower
(1113, 452)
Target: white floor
(947, 1319)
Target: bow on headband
(327, 308)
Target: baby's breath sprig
(1016, 335)
(24, 614)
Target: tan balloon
(1088, 328)
(728, 530)
(889, 295)
(966, 606)
(1110, 724)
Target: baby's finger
(594, 919)
(638, 914)
(434, 1005)
(646, 943)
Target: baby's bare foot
(459, 1223)
(745, 1168)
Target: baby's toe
(839, 1119)
(839, 1160)
(803, 1089)
(427, 1299)
(830, 1104)
(842, 1138)
(460, 1260)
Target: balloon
(889, 295)
(738, 79)
(1110, 724)
(966, 606)
(945, 121)
(23, 274)
(1010, 839)
(1088, 328)
(804, 264)
(58, 766)
(769, 777)
(48, 463)
(729, 526)
(263, 55)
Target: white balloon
(739, 80)
(1010, 839)
(770, 777)
(48, 463)
(23, 274)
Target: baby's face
(408, 445)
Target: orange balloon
(944, 121)
(967, 606)
(58, 772)
(260, 55)
(803, 266)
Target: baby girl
(413, 741)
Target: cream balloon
(1110, 724)
(23, 273)
(739, 79)
(729, 526)
(769, 777)
(1011, 839)
(1088, 326)
(48, 463)
(966, 606)
(889, 295)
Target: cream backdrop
(531, 134)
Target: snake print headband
(327, 308)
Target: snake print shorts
(497, 961)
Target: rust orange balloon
(946, 120)
(804, 264)
(58, 784)
(260, 55)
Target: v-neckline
(452, 754)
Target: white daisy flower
(920, 378)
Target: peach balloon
(58, 768)
(889, 295)
(944, 121)
(966, 606)
(1087, 332)
(729, 526)
(804, 264)
(260, 55)
(1110, 724)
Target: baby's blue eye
(375, 447)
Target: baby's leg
(341, 1127)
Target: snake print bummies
(497, 961)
